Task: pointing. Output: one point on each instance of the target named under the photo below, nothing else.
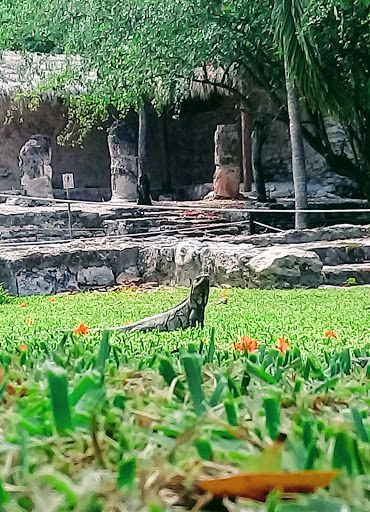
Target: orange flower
(22, 305)
(331, 334)
(53, 299)
(22, 347)
(283, 345)
(224, 293)
(246, 343)
(128, 323)
(81, 329)
(30, 321)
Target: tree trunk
(143, 183)
(246, 148)
(142, 142)
(258, 138)
(164, 153)
(298, 156)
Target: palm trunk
(298, 156)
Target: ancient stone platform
(309, 258)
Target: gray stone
(285, 268)
(95, 276)
(226, 179)
(126, 277)
(35, 167)
(124, 172)
(35, 283)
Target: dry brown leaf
(257, 486)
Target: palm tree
(295, 50)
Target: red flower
(81, 329)
(246, 343)
(331, 334)
(22, 305)
(22, 347)
(283, 345)
(30, 321)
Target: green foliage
(4, 297)
(155, 419)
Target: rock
(95, 276)
(227, 145)
(125, 278)
(35, 167)
(210, 196)
(34, 283)
(166, 197)
(280, 267)
(226, 181)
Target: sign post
(68, 183)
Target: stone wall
(190, 149)
(297, 259)
(90, 164)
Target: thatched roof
(233, 82)
(20, 73)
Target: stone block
(281, 267)
(95, 276)
(226, 181)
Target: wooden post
(246, 147)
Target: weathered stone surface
(35, 167)
(285, 268)
(226, 181)
(123, 150)
(51, 268)
(126, 277)
(337, 275)
(98, 276)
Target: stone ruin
(226, 179)
(124, 169)
(35, 167)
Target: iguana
(187, 314)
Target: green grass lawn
(302, 316)
(131, 423)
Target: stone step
(337, 275)
(341, 251)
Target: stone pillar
(35, 167)
(226, 179)
(123, 152)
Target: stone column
(35, 167)
(226, 179)
(123, 152)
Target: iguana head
(200, 290)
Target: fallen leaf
(257, 486)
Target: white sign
(68, 180)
